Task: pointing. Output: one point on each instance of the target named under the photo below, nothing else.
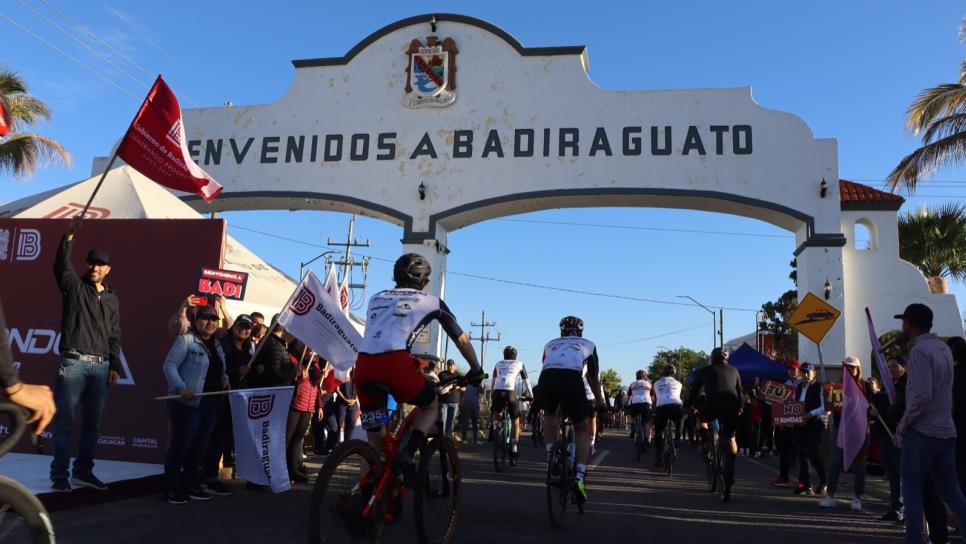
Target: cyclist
(639, 396)
(561, 384)
(595, 417)
(504, 396)
(669, 408)
(395, 319)
(722, 386)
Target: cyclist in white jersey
(561, 385)
(592, 422)
(395, 318)
(667, 393)
(639, 404)
(504, 396)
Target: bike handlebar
(18, 418)
(457, 380)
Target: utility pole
(348, 263)
(721, 327)
(484, 336)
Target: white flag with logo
(331, 287)
(317, 320)
(345, 295)
(258, 419)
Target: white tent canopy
(127, 194)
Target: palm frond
(923, 161)
(934, 240)
(946, 126)
(22, 153)
(26, 110)
(12, 83)
(934, 103)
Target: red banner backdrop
(154, 267)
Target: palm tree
(22, 152)
(939, 115)
(935, 241)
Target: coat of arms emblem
(431, 73)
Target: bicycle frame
(390, 448)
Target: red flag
(5, 120)
(155, 145)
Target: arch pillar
(816, 265)
(434, 249)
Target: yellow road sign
(814, 317)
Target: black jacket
(277, 367)
(90, 321)
(891, 412)
(813, 397)
(234, 359)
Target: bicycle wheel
(710, 465)
(438, 491)
(341, 493)
(670, 453)
(639, 441)
(558, 490)
(724, 487)
(22, 517)
(499, 450)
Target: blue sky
(849, 69)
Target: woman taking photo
(195, 364)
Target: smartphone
(199, 301)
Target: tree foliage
(684, 360)
(21, 152)
(610, 380)
(776, 323)
(934, 239)
(938, 115)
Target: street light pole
(714, 320)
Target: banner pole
(99, 182)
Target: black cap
(98, 256)
(245, 319)
(918, 314)
(807, 367)
(206, 311)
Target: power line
(113, 50)
(79, 41)
(139, 32)
(521, 283)
(661, 229)
(656, 336)
(64, 53)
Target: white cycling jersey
(640, 392)
(668, 391)
(568, 352)
(505, 375)
(396, 317)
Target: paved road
(629, 502)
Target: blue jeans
(924, 457)
(190, 432)
(84, 383)
(837, 464)
(447, 413)
(890, 462)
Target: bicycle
(714, 460)
(22, 517)
(536, 427)
(357, 493)
(640, 441)
(502, 445)
(562, 477)
(670, 447)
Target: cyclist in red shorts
(394, 320)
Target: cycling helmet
(668, 371)
(411, 270)
(641, 375)
(719, 355)
(571, 326)
(510, 353)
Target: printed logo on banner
(142, 442)
(4, 244)
(112, 441)
(26, 246)
(431, 73)
(74, 209)
(174, 133)
(303, 302)
(260, 406)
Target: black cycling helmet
(411, 270)
(719, 355)
(571, 326)
(668, 371)
(640, 375)
(510, 353)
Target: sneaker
(891, 515)
(218, 489)
(175, 498)
(856, 504)
(820, 490)
(581, 494)
(60, 485)
(199, 494)
(88, 480)
(827, 502)
(801, 488)
(780, 481)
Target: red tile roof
(855, 195)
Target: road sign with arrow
(814, 318)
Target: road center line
(597, 460)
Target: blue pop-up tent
(752, 365)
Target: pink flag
(880, 361)
(855, 419)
